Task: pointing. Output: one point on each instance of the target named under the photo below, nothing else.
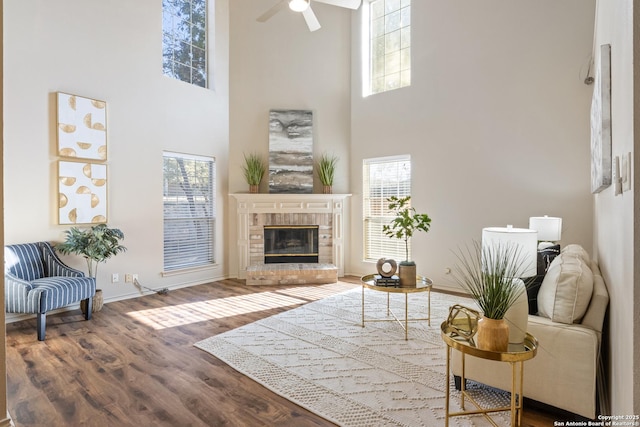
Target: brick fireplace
(255, 211)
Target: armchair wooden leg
(87, 314)
(41, 324)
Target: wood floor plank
(134, 363)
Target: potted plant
(95, 244)
(403, 226)
(326, 168)
(254, 169)
(491, 275)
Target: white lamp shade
(549, 228)
(524, 238)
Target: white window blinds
(189, 211)
(382, 178)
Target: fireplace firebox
(290, 243)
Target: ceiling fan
(304, 7)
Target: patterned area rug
(321, 358)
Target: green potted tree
(491, 275)
(403, 226)
(326, 168)
(95, 244)
(254, 169)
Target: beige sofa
(564, 372)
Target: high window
(184, 40)
(189, 211)
(389, 24)
(382, 178)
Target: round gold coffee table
(516, 355)
(423, 284)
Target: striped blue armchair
(36, 281)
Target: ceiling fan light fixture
(298, 5)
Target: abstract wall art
(82, 127)
(290, 151)
(82, 192)
(601, 123)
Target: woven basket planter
(98, 301)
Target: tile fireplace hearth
(322, 211)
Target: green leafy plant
(95, 244)
(488, 274)
(406, 223)
(254, 168)
(326, 168)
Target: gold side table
(516, 355)
(423, 284)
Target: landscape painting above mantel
(290, 151)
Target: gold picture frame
(81, 127)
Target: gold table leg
(363, 306)
(513, 393)
(429, 306)
(406, 317)
(446, 401)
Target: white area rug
(319, 357)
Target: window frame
(403, 51)
(184, 34)
(198, 220)
(375, 211)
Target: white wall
(496, 122)
(616, 233)
(281, 65)
(110, 51)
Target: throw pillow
(566, 290)
(577, 250)
(533, 287)
(545, 256)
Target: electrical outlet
(115, 278)
(128, 278)
(135, 277)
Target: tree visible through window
(382, 178)
(389, 44)
(184, 40)
(189, 211)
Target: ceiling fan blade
(349, 4)
(275, 9)
(310, 18)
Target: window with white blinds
(189, 211)
(382, 178)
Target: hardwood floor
(134, 363)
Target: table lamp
(526, 242)
(509, 236)
(549, 229)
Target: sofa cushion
(50, 293)
(566, 289)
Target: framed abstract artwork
(82, 192)
(290, 151)
(601, 123)
(82, 127)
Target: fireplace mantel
(249, 204)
